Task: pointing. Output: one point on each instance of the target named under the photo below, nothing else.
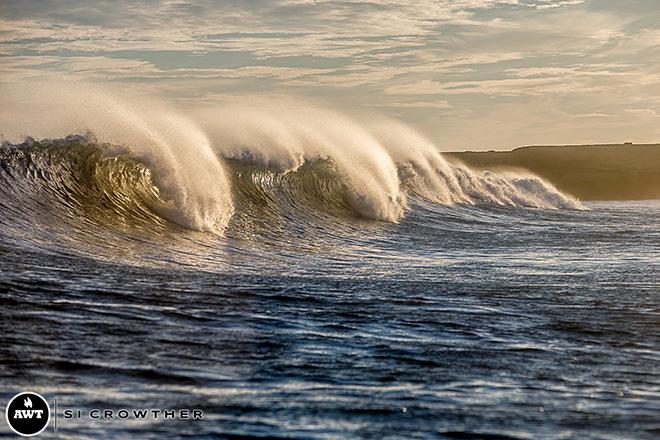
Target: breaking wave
(78, 177)
(146, 166)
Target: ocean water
(308, 304)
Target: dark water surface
(496, 322)
(304, 322)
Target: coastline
(589, 172)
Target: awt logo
(28, 414)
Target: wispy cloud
(444, 65)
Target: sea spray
(428, 174)
(372, 167)
(382, 161)
(286, 138)
(192, 183)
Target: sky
(468, 74)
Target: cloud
(575, 59)
(441, 104)
(643, 112)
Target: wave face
(74, 179)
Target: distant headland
(590, 172)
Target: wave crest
(237, 163)
(78, 177)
